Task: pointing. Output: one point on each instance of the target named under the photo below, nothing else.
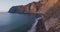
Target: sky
(5, 5)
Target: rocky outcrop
(16, 9)
(49, 8)
(29, 8)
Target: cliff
(50, 10)
(29, 8)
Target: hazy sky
(6, 4)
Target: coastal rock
(50, 10)
(16, 9)
(29, 8)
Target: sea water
(13, 22)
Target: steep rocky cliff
(29, 8)
(49, 8)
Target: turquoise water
(12, 22)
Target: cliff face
(49, 8)
(17, 9)
(29, 8)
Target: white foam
(33, 29)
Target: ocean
(13, 22)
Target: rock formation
(49, 8)
(29, 8)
